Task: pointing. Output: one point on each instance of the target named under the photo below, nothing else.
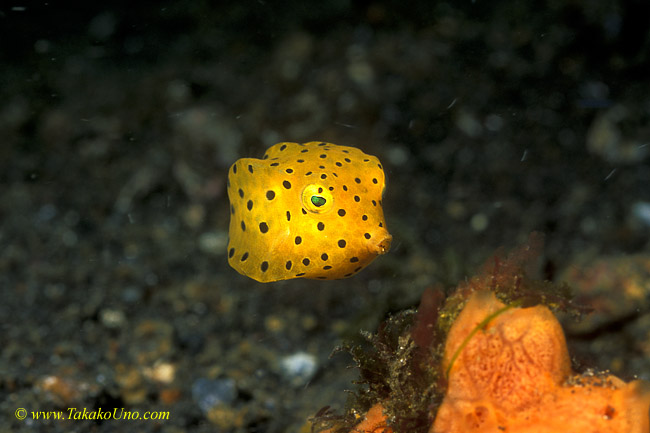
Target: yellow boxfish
(310, 210)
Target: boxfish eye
(317, 198)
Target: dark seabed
(118, 125)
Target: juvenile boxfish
(311, 210)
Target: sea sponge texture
(514, 375)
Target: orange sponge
(514, 375)
(504, 368)
(373, 422)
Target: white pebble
(299, 367)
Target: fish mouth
(383, 246)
